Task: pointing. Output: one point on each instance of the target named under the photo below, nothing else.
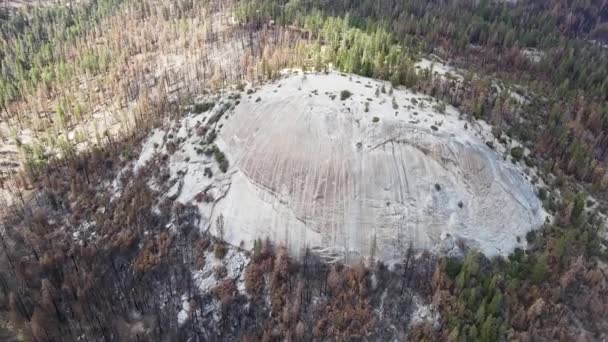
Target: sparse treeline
(72, 75)
(49, 53)
(476, 29)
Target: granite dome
(334, 163)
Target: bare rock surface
(350, 176)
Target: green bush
(220, 157)
(211, 136)
(579, 205)
(224, 165)
(345, 94)
(453, 267)
(203, 107)
(542, 194)
(539, 269)
(517, 153)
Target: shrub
(517, 153)
(579, 205)
(434, 128)
(224, 165)
(203, 107)
(453, 267)
(375, 119)
(211, 136)
(219, 251)
(437, 187)
(539, 270)
(345, 94)
(207, 172)
(171, 147)
(204, 196)
(219, 155)
(542, 194)
(218, 115)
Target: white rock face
(309, 170)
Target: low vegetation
(345, 94)
(517, 153)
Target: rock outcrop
(343, 165)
